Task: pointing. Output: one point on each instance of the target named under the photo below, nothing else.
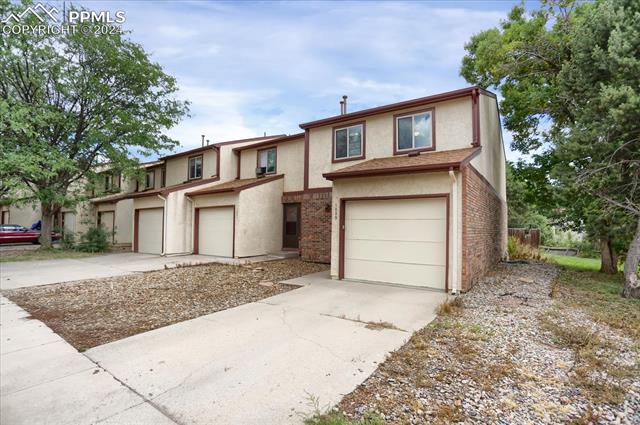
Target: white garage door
(150, 231)
(396, 241)
(215, 231)
(106, 220)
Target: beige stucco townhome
(411, 193)
(162, 214)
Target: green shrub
(68, 240)
(96, 239)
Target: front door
(291, 226)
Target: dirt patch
(94, 312)
(507, 352)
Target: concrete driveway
(44, 272)
(261, 362)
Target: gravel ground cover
(94, 312)
(514, 350)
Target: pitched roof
(270, 142)
(468, 91)
(429, 161)
(164, 191)
(235, 185)
(110, 198)
(217, 145)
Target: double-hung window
(348, 142)
(195, 167)
(149, 181)
(267, 160)
(414, 132)
(108, 182)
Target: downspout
(164, 225)
(454, 247)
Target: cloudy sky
(250, 68)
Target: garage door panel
(403, 230)
(215, 231)
(403, 274)
(388, 209)
(400, 241)
(150, 223)
(397, 252)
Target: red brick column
(315, 240)
(483, 226)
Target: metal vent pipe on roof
(207, 142)
(344, 104)
(202, 135)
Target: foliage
(569, 73)
(96, 239)
(71, 101)
(337, 418)
(68, 240)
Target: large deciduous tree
(600, 152)
(72, 101)
(569, 75)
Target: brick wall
(483, 227)
(315, 239)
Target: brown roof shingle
(430, 161)
(235, 185)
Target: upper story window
(348, 143)
(267, 160)
(108, 182)
(195, 167)
(149, 181)
(414, 132)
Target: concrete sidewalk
(44, 272)
(44, 380)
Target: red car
(14, 233)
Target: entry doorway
(291, 226)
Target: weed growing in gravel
(451, 306)
(327, 416)
(594, 356)
(599, 296)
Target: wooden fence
(529, 237)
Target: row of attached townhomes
(411, 193)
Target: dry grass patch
(95, 312)
(451, 306)
(595, 371)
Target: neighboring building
(412, 193)
(162, 214)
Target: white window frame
(335, 142)
(413, 133)
(266, 151)
(194, 158)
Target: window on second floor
(195, 167)
(108, 182)
(149, 181)
(348, 143)
(267, 160)
(414, 132)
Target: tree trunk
(608, 260)
(631, 281)
(47, 225)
